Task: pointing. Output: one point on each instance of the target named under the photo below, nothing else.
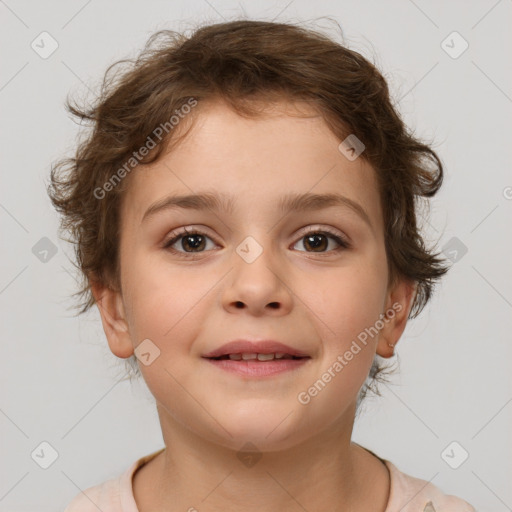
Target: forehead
(255, 161)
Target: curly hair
(240, 62)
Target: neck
(193, 472)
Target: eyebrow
(287, 203)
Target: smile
(258, 365)
(257, 357)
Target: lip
(254, 347)
(258, 369)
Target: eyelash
(175, 236)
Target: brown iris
(314, 242)
(198, 242)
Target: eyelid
(176, 234)
(317, 228)
(344, 241)
(341, 239)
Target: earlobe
(111, 308)
(397, 311)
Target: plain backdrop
(59, 382)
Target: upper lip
(254, 347)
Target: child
(244, 219)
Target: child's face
(190, 303)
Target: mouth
(257, 366)
(257, 357)
(263, 350)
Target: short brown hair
(239, 62)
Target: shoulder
(104, 496)
(114, 495)
(410, 494)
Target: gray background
(61, 384)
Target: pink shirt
(408, 494)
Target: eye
(193, 240)
(318, 240)
(314, 240)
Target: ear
(398, 306)
(111, 308)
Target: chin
(266, 431)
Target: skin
(317, 302)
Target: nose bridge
(255, 282)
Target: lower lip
(253, 368)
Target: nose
(258, 287)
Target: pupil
(199, 241)
(316, 241)
(313, 241)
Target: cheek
(346, 301)
(343, 313)
(346, 306)
(167, 305)
(169, 309)
(161, 304)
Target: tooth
(265, 357)
(279, 355)
(235, 357)
(247, 357)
